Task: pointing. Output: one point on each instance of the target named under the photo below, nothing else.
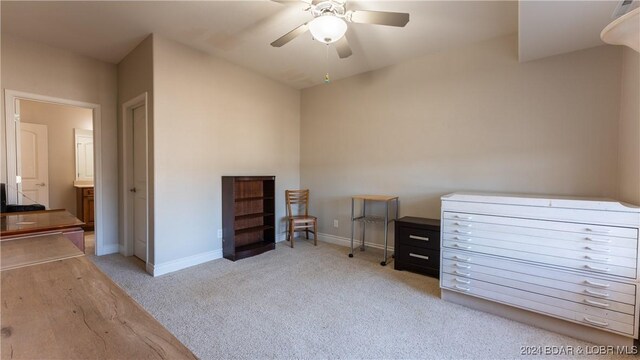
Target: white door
(139, 190)
(34, 164)
(84, 155)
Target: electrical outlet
(219, 233)
(335, 223)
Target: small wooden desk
(20, 224)
(69, 309)
(364, 219)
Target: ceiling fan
(329, 23)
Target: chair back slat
(299, 198)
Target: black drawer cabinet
(417, 245)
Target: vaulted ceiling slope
(241, 31)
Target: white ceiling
(549, 28)
(241, 31)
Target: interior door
(139, 189)
(34, 164)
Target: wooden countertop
(36, 221)
(69, 309)
(36, 250)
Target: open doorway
(51, 157)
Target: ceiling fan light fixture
(327, 28)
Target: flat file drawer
(588, 315)
(523, 234)
(541, 275)
(586, 265)
(419, 237)
(599, 254)
(596, 298)
(585, 229)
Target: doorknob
(41, 184)
(132, 190)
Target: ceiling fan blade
(291, 35)
(343, 48)
(292, 2)
(379, 18)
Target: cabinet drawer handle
(596, 303)
(460, 224)
(599, 231)
(462, 266)
(456, 272)
(596, 284)
(462, 246)
(462, 281)
(595, 293)
(462, 232)
(463, 217)
(589, 257)
(416, 237)
(456, 257)
(419, 256)
(461, 239)
(594, 322)
(593, 248)
(604, 241)
(589, 267)
(461, 287)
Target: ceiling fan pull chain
(326, 76)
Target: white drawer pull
(596, 303)
(595, 268)
(595, 293)
(589, 257)
(605, 241)
(596, 284)
(461, 239)
(461, 224)
(462, 232)
(462, 266)
(419, 256)
(594, 322)
(462, 246)
(456, 272)
(463, 217)
(463, 281)
(593, 248)
(456, 257)
(416, 237)
(599, 231)
(463, 288)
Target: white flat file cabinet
(364, 219)
(566, 264)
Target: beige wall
(61, 122)
(40, 69)
(213, 118)
(135, 77)
(468, 119)
(629, 157)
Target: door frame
(12, 140)
(127, 171)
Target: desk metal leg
(352, 228)
(364, 223)
(386, 228)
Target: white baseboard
(183, 263)
(343, 241)
(110, 249)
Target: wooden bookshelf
(248, 216)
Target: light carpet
(315, 302)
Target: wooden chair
(303, 221)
